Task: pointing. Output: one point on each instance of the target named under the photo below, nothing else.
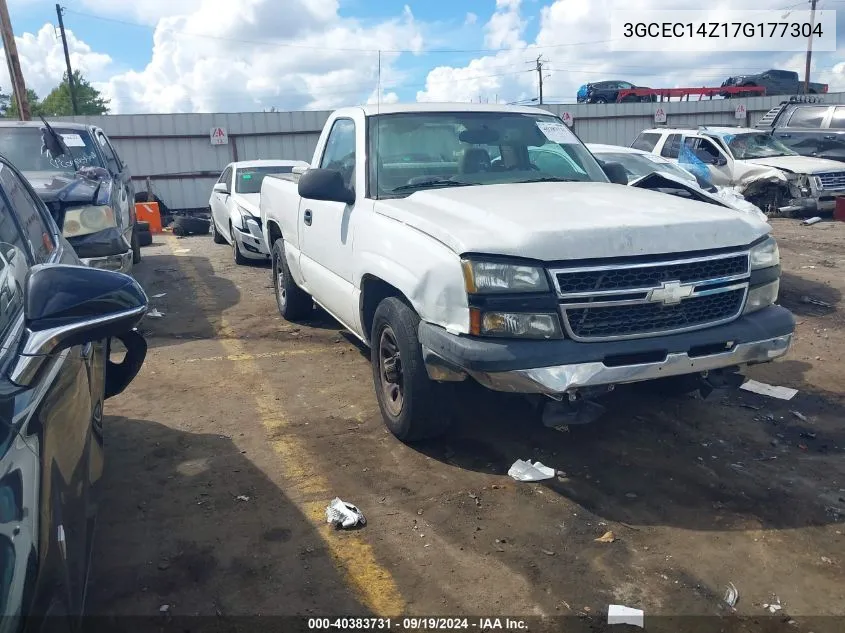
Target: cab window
(14, 264)
(340, 150)
(672, 146)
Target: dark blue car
(77, 172)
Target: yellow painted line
(259, 356)
(352, 555)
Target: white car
(234, 206)
(429, 232)
(755, 164)
(639, 163)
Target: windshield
(22, 146)
(248, 179)
(746, 146)
(421, 150)
(639, 165)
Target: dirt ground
(225, 451)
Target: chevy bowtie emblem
(670, 292)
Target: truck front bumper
(555, 367)
(121, 263)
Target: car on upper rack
(429, 232)
(758, 166)
(58, 321)
(77, 172)
(608, 92)
(808, 127)
(776, 82)
(234, 206)
(639, 164)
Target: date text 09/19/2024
(417, 624)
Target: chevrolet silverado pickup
(427, 231)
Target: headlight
(87, 220)
(490, 277)
(762, 297)
(245, 217)
(765, 254)
(514, 324)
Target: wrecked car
(430, 233)
(76, 171)
(759, 167)
(638, 164)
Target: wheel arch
(374, 290)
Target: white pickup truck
(429, 233)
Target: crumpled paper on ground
(526, 471)
(343, 514)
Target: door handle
(829, 137)
(307, 217)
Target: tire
(293, 302)
(600, 100)
(190, 226)
(412, 405)
(215, 234)
(136, 247)
(142, 227)
(145, 239)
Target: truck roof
(396, 108)
(267, 162)
(67, 125)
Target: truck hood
(566, 221)
(67, 188)
(798, 164)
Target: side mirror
(616, 173)
(73, 305)
(221, 187)
(325, 184)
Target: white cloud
(470, 19)
(43, 62)
(572, 37)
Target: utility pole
(70, 84)
(810, 46)
(14, 62)
(540, 75)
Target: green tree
(88, 99)
(34, 105)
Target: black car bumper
(107, 249)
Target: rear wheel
(600, 100)
(412, 405)
(293, 302)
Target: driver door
(708, 153)
(219, 204)
(326, 228)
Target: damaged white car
(639, 164)
(759, 167)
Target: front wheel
(215, 233)
(240, 260)
(136, 247)
(293, 302)
(412, 405)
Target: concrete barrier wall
(174, 152)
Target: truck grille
(636, 300)
(833, 180)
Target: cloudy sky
(239, 55)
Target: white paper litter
(159, 295)
(526, 471)
(180, 251)
(617, 614)
(811, 221)
(782, 393)
(242, 498)
(344, 514)
(155, 313)
(73, 140)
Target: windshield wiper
(59, 144)
(431, 183)
(548, 179)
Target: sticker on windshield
(557, 132)
(246, 176)
(73, 140)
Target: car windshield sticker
(246, 176)
(73, 140)
(557, 133)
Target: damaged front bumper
(557, 367)
(107, 249)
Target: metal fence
(174, 153)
